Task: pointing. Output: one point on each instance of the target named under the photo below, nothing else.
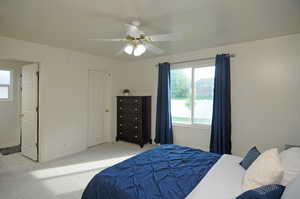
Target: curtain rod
(193, 60)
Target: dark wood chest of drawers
(134, 119)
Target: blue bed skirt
(166, 171)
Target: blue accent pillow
(273, 191)
(251, 156)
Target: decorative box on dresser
(134, 119)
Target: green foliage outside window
(180, 85)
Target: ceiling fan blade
(120, 52)
(166, 37)
(154, 49)
(108, 40)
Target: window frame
(193, 66)
(9, 86)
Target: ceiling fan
(137, 42)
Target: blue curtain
(220, 141)
(164, 131)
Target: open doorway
(19, 108)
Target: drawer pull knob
(121, 116)
(135, 127)
(120, 133)
(121, 124)
(135, 109)
(136, 100)
(135, 136)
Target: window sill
(6, 100)
(198, 126)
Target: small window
(192, 95)
(5, 84)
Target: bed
(169, 172)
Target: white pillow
(292, 191)
(290, 160)
(266, 169)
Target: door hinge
(21, 76)
(38, 73)
(37, 109)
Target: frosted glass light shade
(139, 50)
(128, 49)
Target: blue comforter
(166, 171)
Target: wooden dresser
(134, 119)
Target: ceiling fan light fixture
(128, 49)
(139, 50)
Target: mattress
(223, 181)
(164, 172)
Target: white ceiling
(203, 23)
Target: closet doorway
(99, 103)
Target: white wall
(9, 110)
(63, 93)
(265, 93)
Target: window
(5, 84)
(192, 95)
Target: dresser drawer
(133, 126)
(129, 133)
(129, 101)
(128, 117)
(128, 109)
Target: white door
(29, 111)
(96, 108)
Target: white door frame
(107, 105)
